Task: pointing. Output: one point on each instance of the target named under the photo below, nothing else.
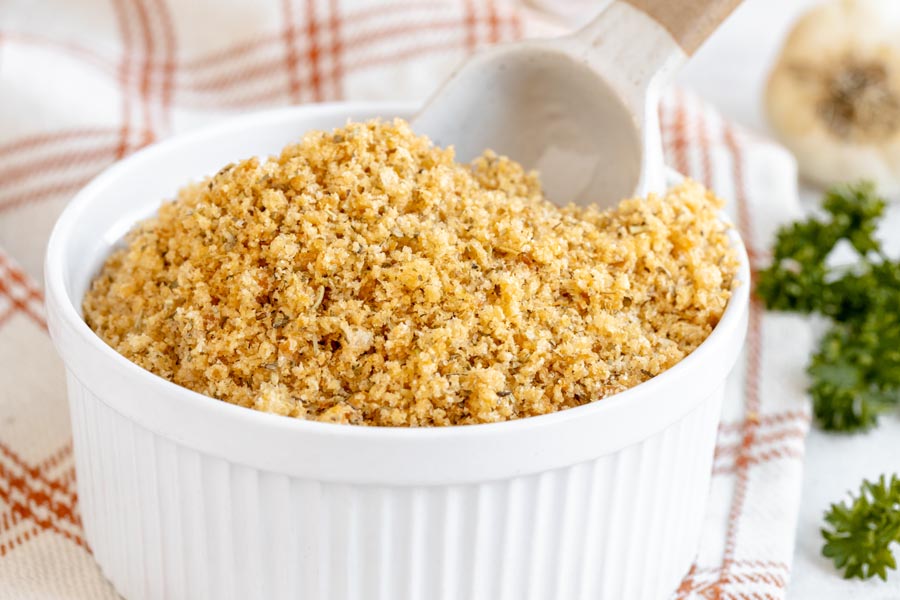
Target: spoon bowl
(547, 111)
(581, 109)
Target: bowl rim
(63, 310)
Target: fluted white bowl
(186, 497)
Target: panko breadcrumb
(364, 277)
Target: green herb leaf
(855, 211)
(858, 537)
(855, 375)
(850, 387)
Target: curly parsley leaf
(855, 211)
(850, 386)
(799, 275)
(855, 374)
(858, 537)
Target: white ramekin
(187, 497)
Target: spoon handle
(640, 42)
(635, 46)
(689, 22)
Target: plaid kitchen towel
(86, 82)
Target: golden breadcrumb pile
(364, 277)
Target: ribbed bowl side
(167, 522)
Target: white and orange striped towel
(85, 82)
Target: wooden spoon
(581, 109)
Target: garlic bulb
(834, 95)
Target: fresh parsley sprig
(855, 374)
(858, 537)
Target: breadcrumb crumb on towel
(363, 276)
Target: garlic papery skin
(833, 97)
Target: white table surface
(730, 71)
